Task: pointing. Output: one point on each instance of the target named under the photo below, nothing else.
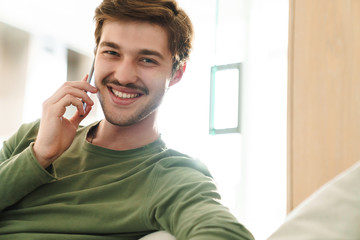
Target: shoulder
(27, 131)
(22, 138)
(173, 160)
(175, 172)
(177, 178)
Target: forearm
(208, 219)
(20, 175)
(219, 227)
(186, 204)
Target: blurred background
(229, 110)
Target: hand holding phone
(56, 132)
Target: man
(114, 179)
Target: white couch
(331, 213)
(160, 235)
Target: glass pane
(226, 104)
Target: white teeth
(124, 95)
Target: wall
(13, 69)
(324, 87)
(264, 116)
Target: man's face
(132, 70)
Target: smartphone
(91, 73)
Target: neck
(120, 138)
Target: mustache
(133, 86)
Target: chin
(126, 121)
(128, 118)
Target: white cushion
(331, 213)
(160, 235)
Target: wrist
(44, 162)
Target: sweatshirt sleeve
(185, 203)
(20, 172)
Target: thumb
(77, 117)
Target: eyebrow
(110, 44)
(151, 53)
(142, 51)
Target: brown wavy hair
(164, 13)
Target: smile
(124, 95)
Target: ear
(178, 75)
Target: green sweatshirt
(95, 193)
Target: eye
(148, 61)
(111, 53)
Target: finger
(85, 78)
(59, 108)
(77, 118)
(78, 103)
(82, 85)
(70, 89)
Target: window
(225, 99)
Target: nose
(126, 72)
